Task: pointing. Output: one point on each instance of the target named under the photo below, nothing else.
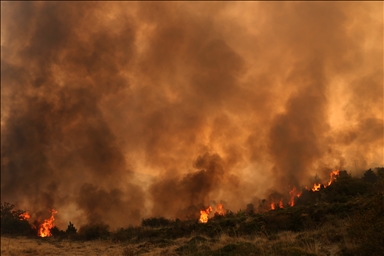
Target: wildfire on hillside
(293, 193)
(45, 228)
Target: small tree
(71, 229)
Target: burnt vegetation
(348, 208)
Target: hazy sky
(115, 111)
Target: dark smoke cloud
(194, 189)
(112, 112)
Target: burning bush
(14, 222)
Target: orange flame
(293, 193)
(219, 210)
(281, 203)
(204, 215)
(24, 216)
(45, 227)
(333, 175)
(316, 187)
(272, 206)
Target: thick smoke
(116, 111)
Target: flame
(272, 206)
(45, 227)
(204, 215)
(316, 187)
(281, 203)
(333, 175)
(24, 216)
(219, 210)
(293, 193)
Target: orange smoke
(47, 225)
(204, 215)
(24, 216)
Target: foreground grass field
(329, 240)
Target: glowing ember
(24, 216)
(204, 215)
(47, 225)
(219, 210)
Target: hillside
(345, 218)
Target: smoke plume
(117, 111)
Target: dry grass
(25, 246)
(313, 242)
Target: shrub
(155, 222)
(95, 231)
(12, 223)
(367, 235)
(56, 232)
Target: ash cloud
(112, 112)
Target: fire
(219, 210)
(293, 193)
(333, 175)
(24, 216)
(316, 187)
(204, 215)
(273, 205)
(45, 227)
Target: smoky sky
(116, 111)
